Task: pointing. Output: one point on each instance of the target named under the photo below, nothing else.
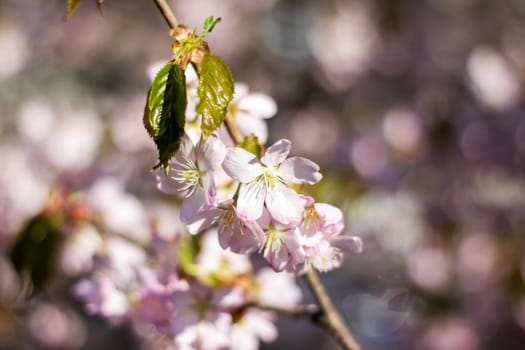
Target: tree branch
(233, 130)
(167, 13)
(310, 312)
(330, 320)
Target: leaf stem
(327, 315)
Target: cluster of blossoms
(254, 206)
(252, 200)
(202, 289)
(184, 291)
(247, 191)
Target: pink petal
(192, 205)
(350, 244)
(250, 125)
(203, 220)
(298, 170)
(332, 222)
(165, 183)
(239, 236)
(284, 205)
(241, 90)
(237, 242)
(208, 186)
(251, 200)
(186, 149)
(278, 260)
(210, 154)
(241, 165)
(258, 105)
(276, 153)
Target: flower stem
(327, 316)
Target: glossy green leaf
(215, 93)
(164, 111)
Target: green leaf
(35, 248)
(164, 111)
(210, 23)
(215, 93)
(251, 144)
(72, 6)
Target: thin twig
(331, 319)
(167, 13)
(233, 130)
(327, 315)
(310, 312)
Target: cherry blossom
(320, 239)
(265, 181)
(191, 174)
(250, 111)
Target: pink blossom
(191, 174)
(265, 181)
(234, 232)
(250, 111)
(320, 239)
(202, 303)
(276, 289)
(252, 326)
(282, 247)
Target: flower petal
(332, 222)
(248, 125)
(165, 183)
(278, 260)
(251, 200)
(185, 150)
(348, 244)
(191, 206)
(208, 186)
(299, 170)
(284, 204)
(203, 220)
(241, 90)
(210, 154)
(276, 153)
(241, 165)
(258, 105)
(239, 236)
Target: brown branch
(331, 320)
(310, 312)
(327, 315)
(167, 13)
(233, 130)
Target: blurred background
(413, 109)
